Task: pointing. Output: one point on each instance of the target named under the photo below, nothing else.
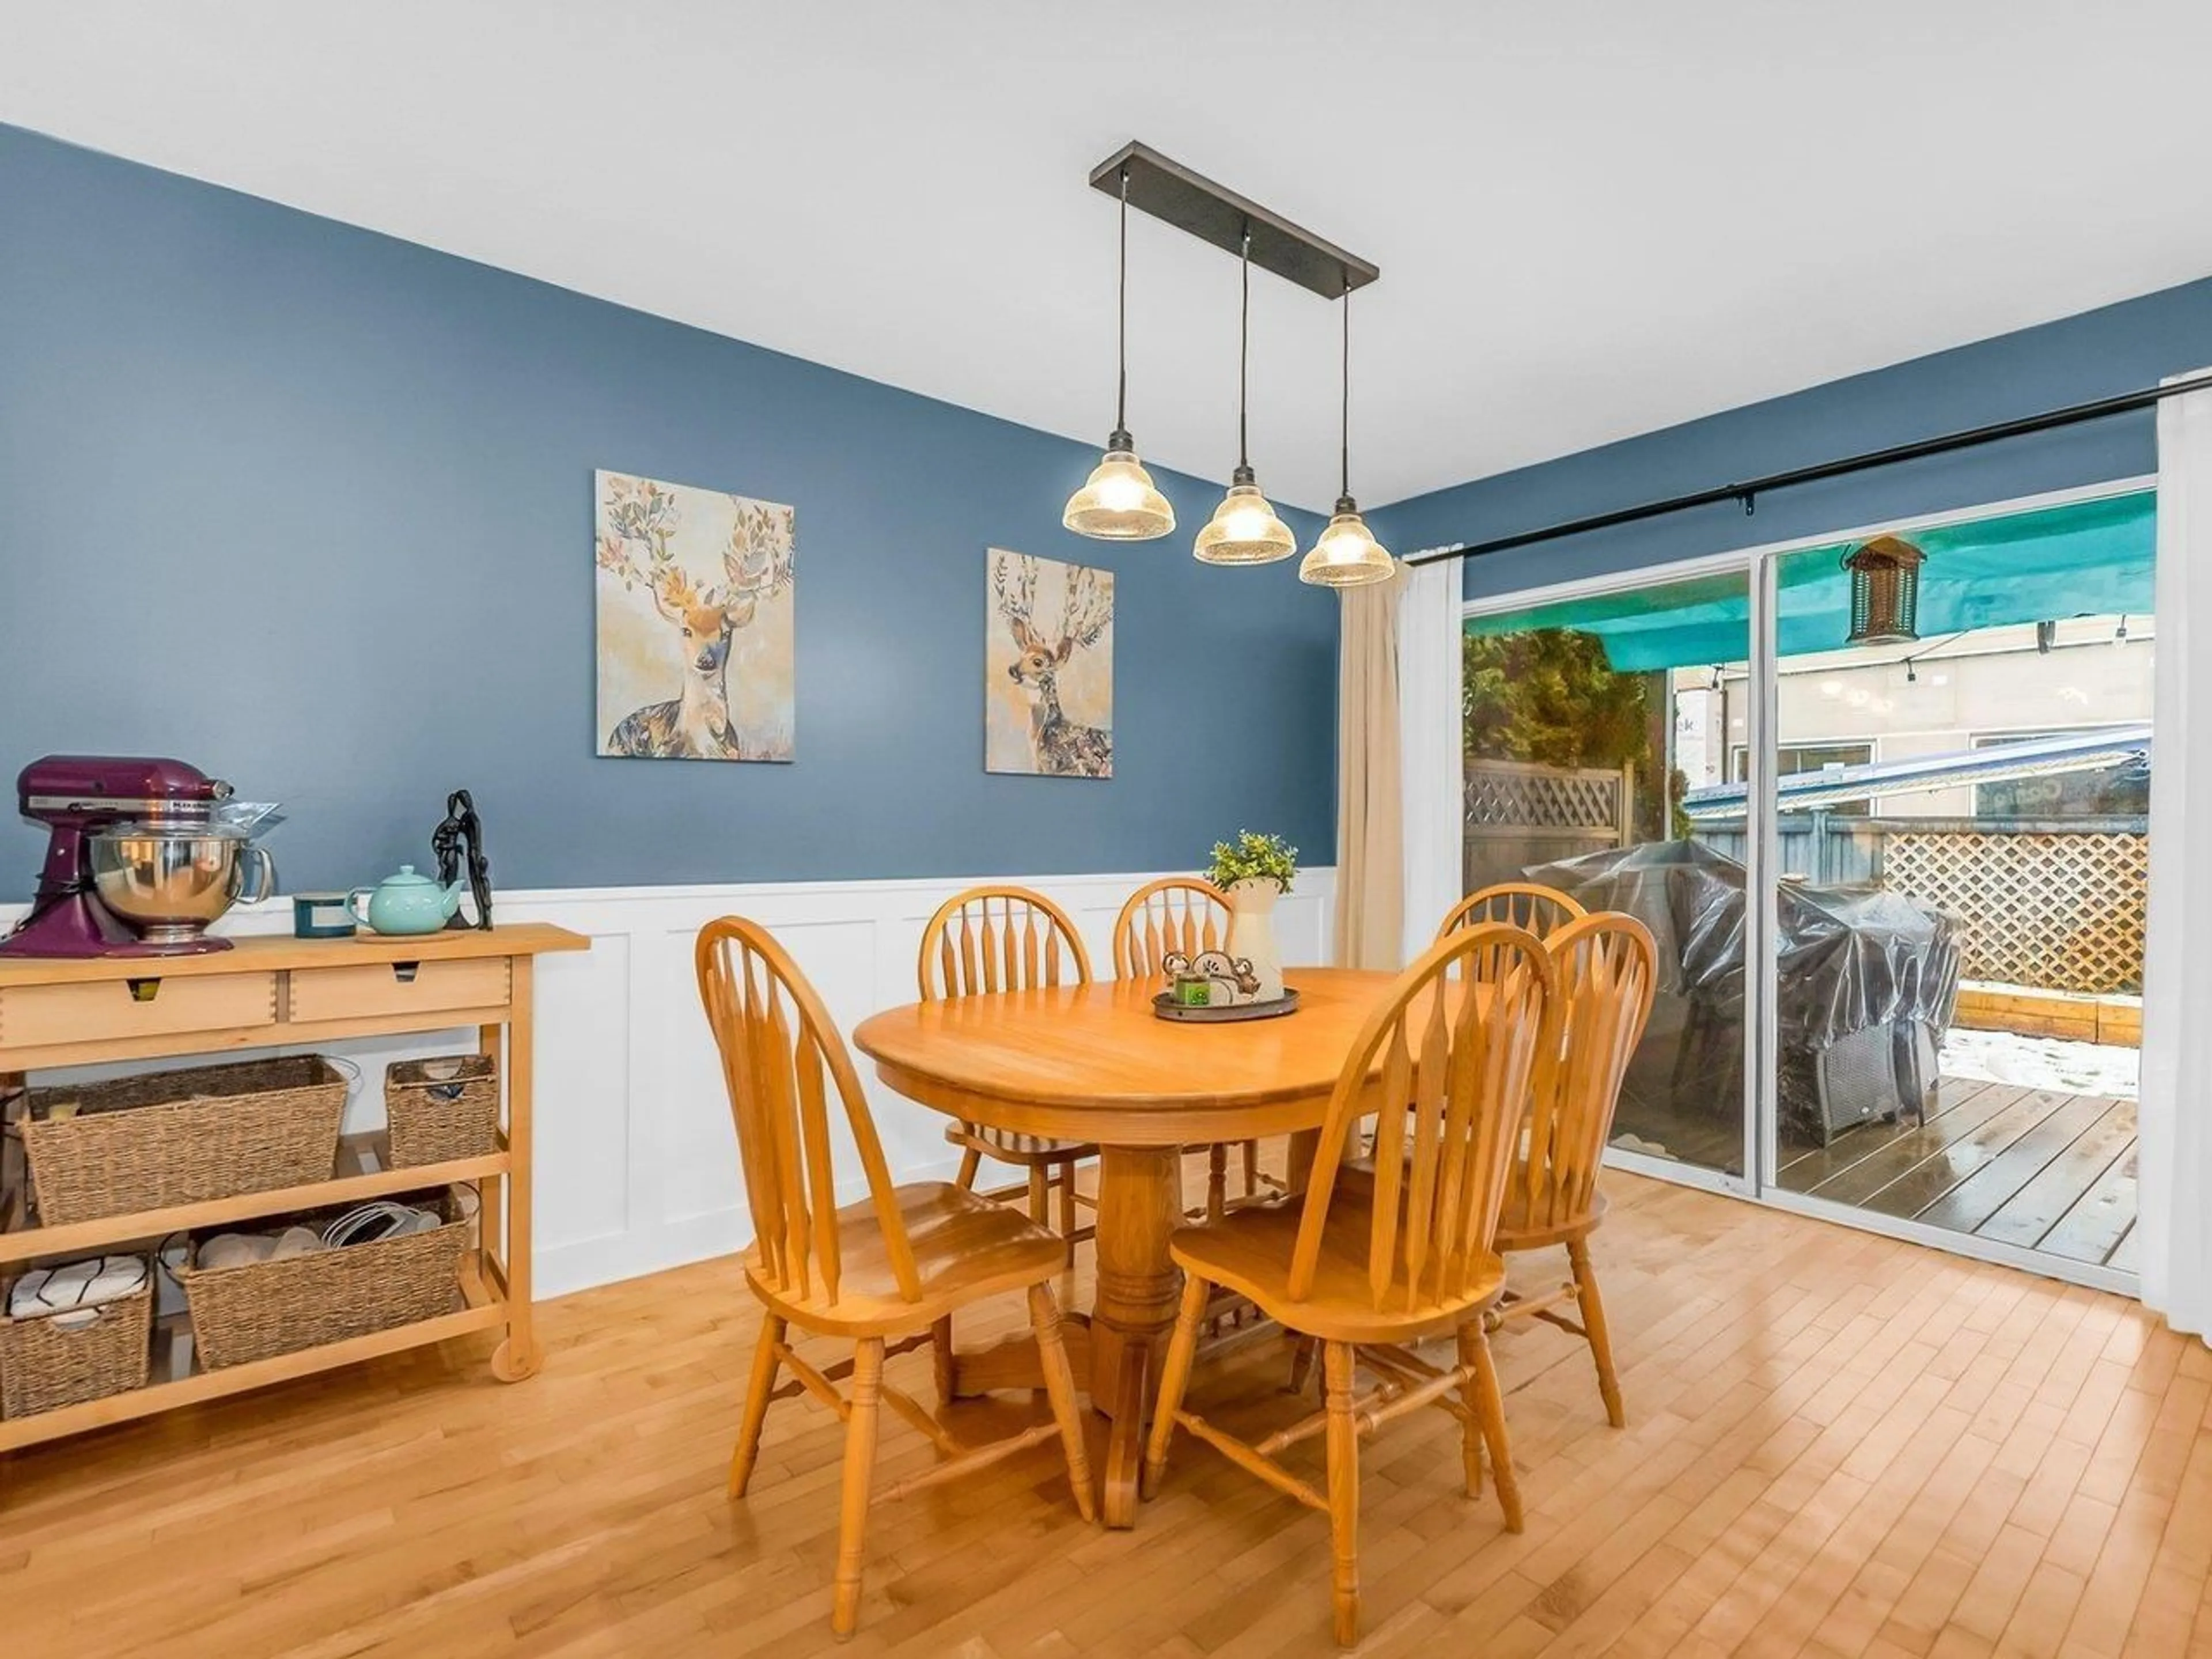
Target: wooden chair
(1606, 973)
(1370, 1278)
(1181, 913)
(1009, 938)
(895, 1266)
(1517, 904)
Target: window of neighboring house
(1811, 758)
(2122, 791)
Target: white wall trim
(636, 1161)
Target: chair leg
(1490, 1405)
(1343, 1492)
(757, 1389)
(1067, 1206)
(1217, 1181)
(940, 1358)
(971, 1161)
(859, 1465)
(1183, 1348)
(1302, 1359)
(1593, 1312)
(1040, 1199)
(1060, 1385)
(1251, 1169)
(1470, 1429)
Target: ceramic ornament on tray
(1254, 871)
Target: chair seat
(1517, 1231)
(1011, 1147)
(1517, 1228)
(1249, 1252)
(964, 1248)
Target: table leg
(517, 1357)
(1139, 1206)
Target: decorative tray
(1165, 1007)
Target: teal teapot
(406, 904)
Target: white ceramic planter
(1252, 933)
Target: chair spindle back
(780, 1055)
(1459, 1038)
(1607, 973)
(1179, 913)
(1541, 910)
(999, 939)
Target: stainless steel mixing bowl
(170, 881)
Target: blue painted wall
(312, 507)
(2115, 348)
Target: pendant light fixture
(1118, 502)
(1244, 528)
(1346, 555)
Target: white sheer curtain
(1429, 744)
(2174, 1243)
(1370, 833)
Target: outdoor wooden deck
(2036, 1168)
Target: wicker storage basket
(45, 1363)
(182, 1137)
(263, 1309)
(441, 1109)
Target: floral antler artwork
(758, 561)
(642, 519)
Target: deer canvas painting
(1048, 668)
(696, 640)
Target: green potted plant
(1255, 870)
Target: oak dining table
(1094, 1063)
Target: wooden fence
(1522, 813)
(2052, 904)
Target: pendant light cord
(1244, 355)
(1344, 427)
(1122, 322)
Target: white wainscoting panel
(636, 1160)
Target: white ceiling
(1592, 218)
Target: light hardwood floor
(1838, 1445)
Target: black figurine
(462, 828)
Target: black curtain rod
(1748, 493)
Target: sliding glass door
(1586, 723)
(1891, 852)
(1958, 799)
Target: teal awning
(2091, 558)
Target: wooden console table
(273, 990)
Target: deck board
(1897, 1150)
(2101, 1223)
(2038, 1170)
(1982, 1192)
(2029, 1215)
(1803, 1168)
(1960, 1159)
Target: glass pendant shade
(1244, 529)
(1346, 555)
(1118, 502)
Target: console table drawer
(145, 1006)
(370, 990)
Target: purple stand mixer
(136, 864)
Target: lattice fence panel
(1530, 797)
(2054, 912)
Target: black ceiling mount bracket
(1167, 190)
